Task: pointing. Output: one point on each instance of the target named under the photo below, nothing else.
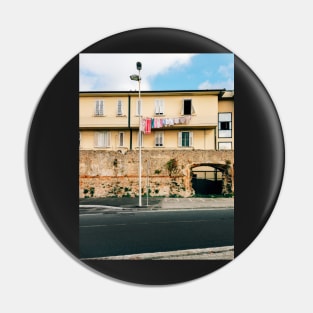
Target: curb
(216, 253)
(98, 209)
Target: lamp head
(139, 66)
(135, 77)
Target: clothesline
(147, 123)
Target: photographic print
(156, 156)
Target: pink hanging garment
(142, 125)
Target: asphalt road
(121, 233)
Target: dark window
(225, 125)
(187, 107)
(185, 139)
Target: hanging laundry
(188, 118)
(147, 129)
(160, 122)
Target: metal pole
(148, 166)
(140, 142)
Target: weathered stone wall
(112, 173)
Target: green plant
(171, 166)
(157, 171)
(92, 191)
(174, 195)
(115, 163)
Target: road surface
(120, 233)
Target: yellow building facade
(172, 120)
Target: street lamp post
(138, 79)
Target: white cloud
(223, 78)
(226, 70)
(227, 84)
(112, 71)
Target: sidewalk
(190, 203)
(218, 253)
(131, 204)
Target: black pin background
(53, 155)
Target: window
(159, 139)
(138, 107)
(121, 139)
(140, 137)
(99, 108)
(224, 125)
(224, 146)
(187, 108)
(159, 107)
(119, 108)
(185, 139)
(102, 139)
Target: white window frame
(99, 107)
(103, 139)
(180, 139)
(159, 108)
(224, 117)
(228, 145)
(121, 135)
(119, 107)
(159, 139)
(141, 139)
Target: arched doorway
(207, 179)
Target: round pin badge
(155, 156)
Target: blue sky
(110, 72)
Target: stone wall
(112, 173)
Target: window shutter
(121, 139)
(119, 107)
(156, 107)
(192, 110)
(161, 139)
(108, 135)
(99, 107)
(99, 138)
(179, 139)
(161, 107)
(190, 139)
(182, 108)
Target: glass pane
(224, 145)
(224, 133)
(224, 117)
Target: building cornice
(218, 92)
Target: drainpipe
(215, 138)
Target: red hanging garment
(148, 126)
